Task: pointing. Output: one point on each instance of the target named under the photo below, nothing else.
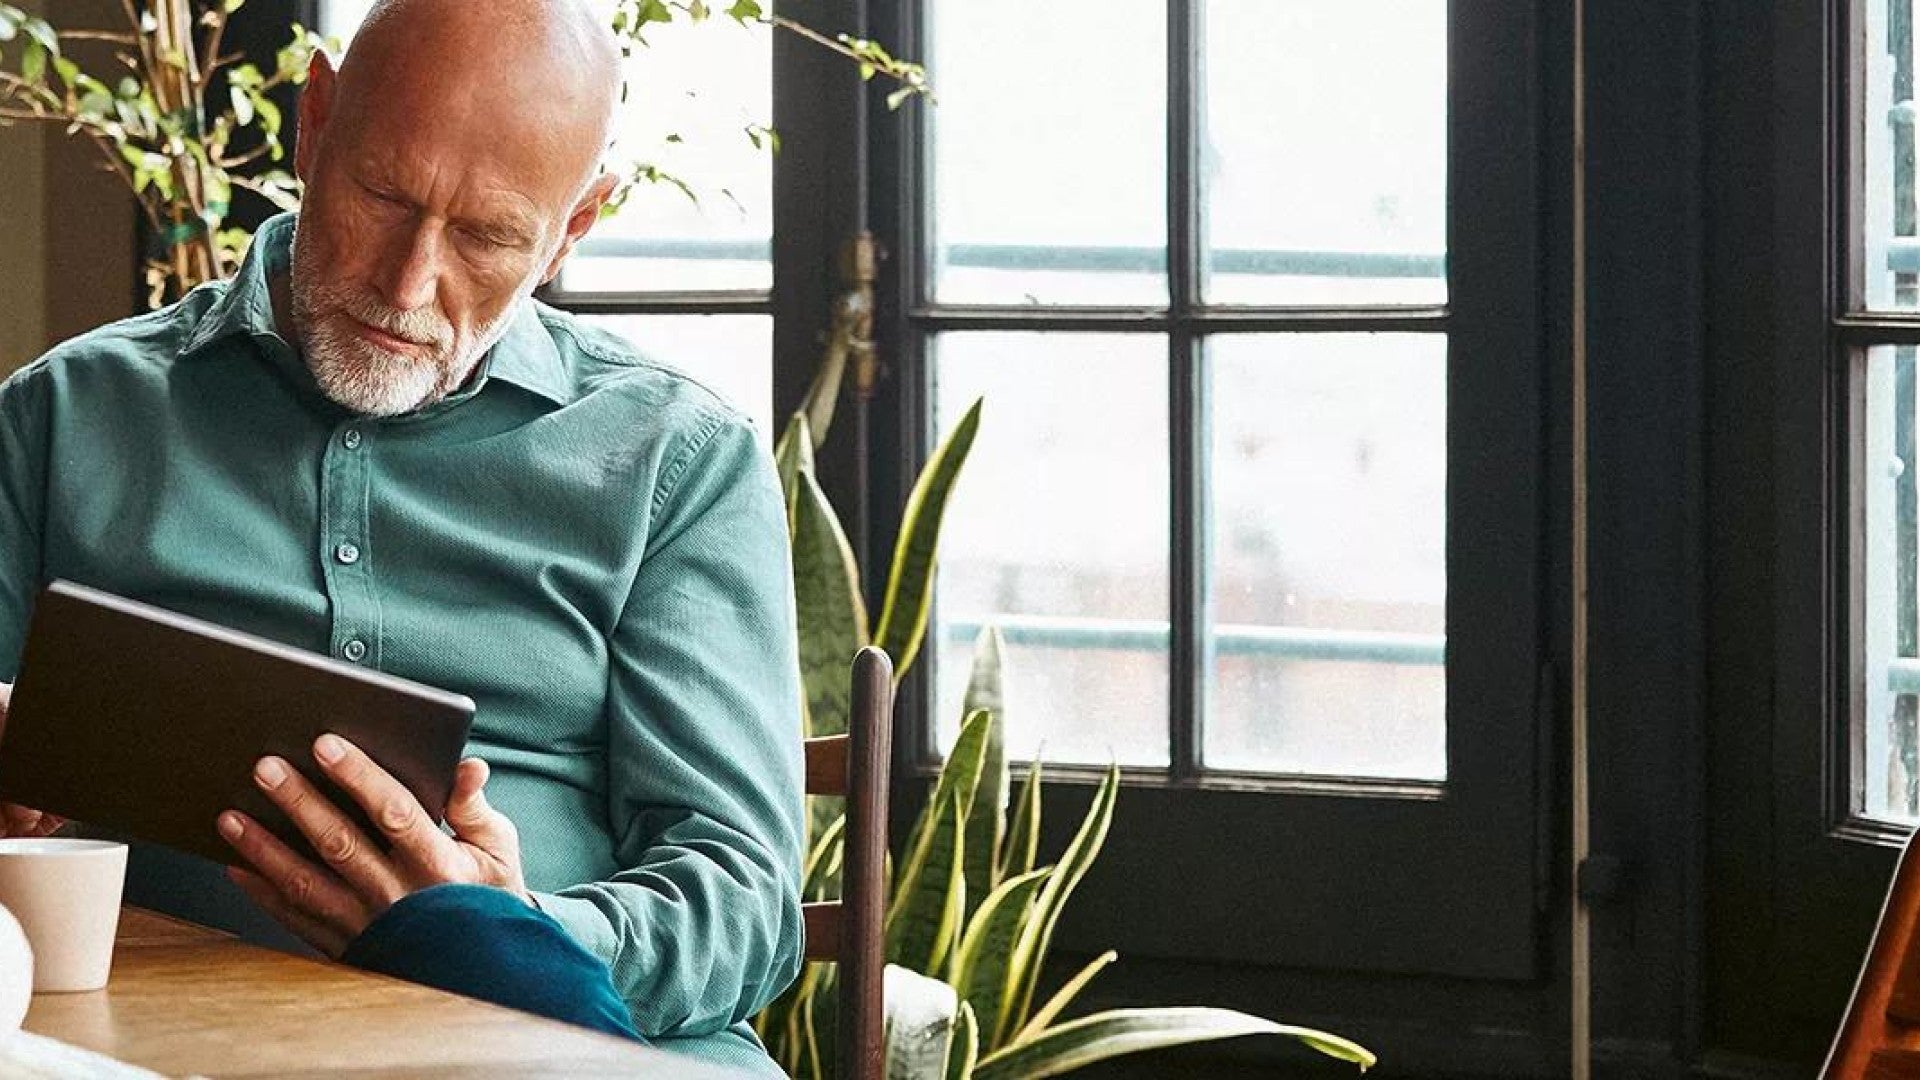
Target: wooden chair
(849, 931)
(1880, 1036)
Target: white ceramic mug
(66, 894)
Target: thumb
(472, 817)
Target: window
(1882, 299)
(1314, 469)
(1255, 498)
(682, 274)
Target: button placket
(345, 497)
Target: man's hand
(328, 906)
(18, 820)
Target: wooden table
(188, 1001)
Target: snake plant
(973, 909)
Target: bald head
(451, 165)
(542, 69)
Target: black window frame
(1363, 875)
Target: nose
(412, 274)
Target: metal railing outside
(1080, 258)
(1276, 642)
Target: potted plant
(973, 908)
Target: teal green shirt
(591, 546)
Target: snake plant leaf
(987, 814)
(832, 618)
(824, 392)
(903, 618)
(1058, 1003)
(1079, 1043)
(960, 775)
(924, 923)
(792, 454)
(1022, 847)
(817, 1015)
(980, 971)
(921, 1014)
(1036, 937)
(964, 1052)
(820, 879)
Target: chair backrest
(849, 931)
(1879, 1038)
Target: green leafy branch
(149, 116)
(633, 18)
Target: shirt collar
(525, 355)
(247, 305)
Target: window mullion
(1189, 663)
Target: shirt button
(351, 439)
(355, 650)
(347, 554)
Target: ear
(585, 213)
(316, 108)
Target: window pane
(1049, 152)
(1891, 674)
(1329, 564)
(1058, 533)
(1887, 247)
(1325, 163)
(705, 85)
(732, 355)
(340, 18)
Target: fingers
(26, 823)
(309, 929)
(408, 830)
(302, 885)
(335, 838)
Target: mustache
(422, 326)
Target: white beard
(363, 377)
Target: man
(372, 443)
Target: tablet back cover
(147, 722)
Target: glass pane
(693, 94)
(1887, 247)
(1049, 153)
(732, 355)
(1325, 163)
(340, 18)
(1891, 673)
(1329, 501)
(1058, 533)
(703, 85)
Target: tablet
(146, 722)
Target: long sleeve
(22, 507)
(702, 927)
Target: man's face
(428, 217)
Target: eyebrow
(509, 230)
(509, 227)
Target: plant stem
(146, 49)
(826, 42)
(214, 34)
(113, 36)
